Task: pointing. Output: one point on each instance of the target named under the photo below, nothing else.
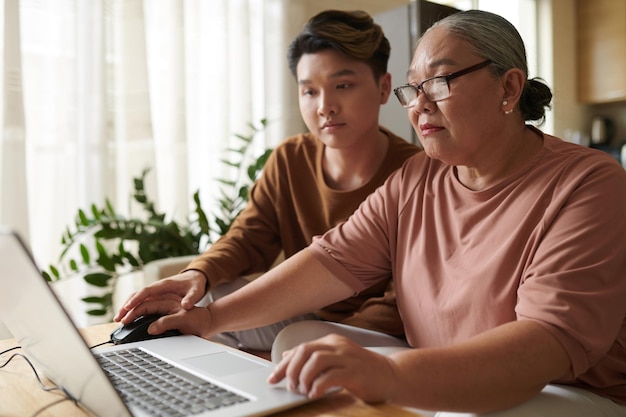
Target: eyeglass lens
(435, 88)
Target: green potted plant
(102, 244)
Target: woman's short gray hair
(495, 38)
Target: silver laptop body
(37, 320)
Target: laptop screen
(36, 319)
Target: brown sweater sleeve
(252, 242)
(379, 313)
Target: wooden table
(20, 395)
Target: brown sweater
(289, 205)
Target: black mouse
(138, 330)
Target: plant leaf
(229, 163)
(109, 207)
(131, 259)
(98, 279)
(47, 276)
(246, 139)
(95, 300)
(97, 312)
(54, 271)
(83, 218)
(84, 253)
(95, 212)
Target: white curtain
(13, 202)
(97, 90)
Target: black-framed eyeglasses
(434, 88)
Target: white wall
(395, 24)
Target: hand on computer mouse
(138, 330)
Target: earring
(504, 103)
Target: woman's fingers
(332, 362)
(309, 364)
(320, 373)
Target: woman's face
(339, 98)
(460, 129)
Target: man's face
(339, 97)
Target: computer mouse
(138, 331)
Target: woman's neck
(519, 152)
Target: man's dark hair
(352, 33)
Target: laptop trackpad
(222, 363)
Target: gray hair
(493, 37)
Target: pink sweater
(547, 244)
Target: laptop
(37, 320)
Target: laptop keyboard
(160, 388)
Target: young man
(312, 181)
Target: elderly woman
(506, 245)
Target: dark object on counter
(602, 130)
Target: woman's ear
(513, 82)
(384, 84)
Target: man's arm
(298, 285)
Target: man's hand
(334, 361)
(185, 289)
